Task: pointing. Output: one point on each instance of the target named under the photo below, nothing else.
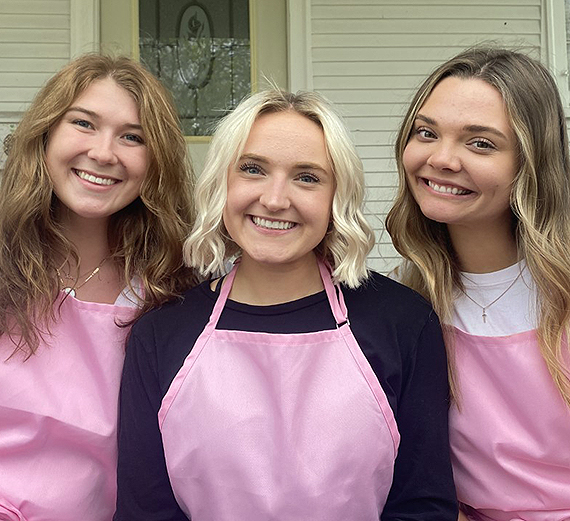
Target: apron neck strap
(334, 294)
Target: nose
(444, 156)
(275, 194)
(103, 150)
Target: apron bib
(260, 426)
(58, 418)
(511, 439)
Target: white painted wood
(555, 50)
(34, 43)
(299, 32)
(84, 26)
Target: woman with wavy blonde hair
(257, 398)
(95, 200)
(482, 219)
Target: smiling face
(280, 191)
(461, 158)
(96, 154)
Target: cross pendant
(484, 316)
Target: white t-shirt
(513, 312)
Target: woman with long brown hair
(95, 200)
(482, 219)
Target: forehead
(470, 100)
(286, 133)
(106, 90)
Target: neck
(89, 237)
(484, 250)
(267, 284)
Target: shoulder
(390, 314)
(394, 300)
(177, 317)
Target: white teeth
(447, 189)
(92, 179)
(272, 225)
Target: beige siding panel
(423, 4)
(34, 43)
(21, 79)
(37, 50)
(34, 21)
(45, 35)
(369, 56)
(436, 27)
(31, 65)
(418, 41)
(34, 7)
(408, 12)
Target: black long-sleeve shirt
(398, 333)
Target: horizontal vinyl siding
(370, 56)
(34, 43)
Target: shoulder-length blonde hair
(350, 238)
(540, 198)
(145, 237)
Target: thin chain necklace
(72, 290)
(485, 308)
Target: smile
(446, 189)
(272, 225)
(94, 179)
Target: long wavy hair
(540, 199)
(145, 237)
(349, 239)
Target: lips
(105, 181)
(447, 189)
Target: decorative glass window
(201, 52)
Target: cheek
(410, 159)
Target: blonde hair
(350, 238)
(145, 237)
(540, 198)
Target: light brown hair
(145, 237)
(540, 198)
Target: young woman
(94, 204)
(482, 219)
(300, 386)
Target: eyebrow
(134, 126)
(261, 159)
(468, 128)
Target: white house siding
(370, 56)
(34, 43)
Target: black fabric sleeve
(144, 492)
(423, 489)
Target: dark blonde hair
(540, 198)
(350, 238)
(145, 237)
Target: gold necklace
(484, 308)
(73, 289)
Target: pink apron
(260, 426)
(511, 439)
(58, 418)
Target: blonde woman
(94, 203)
(301, 386)
(482, 218)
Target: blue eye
(82, 123)
(251, 168)
(135, 138)
(308, 178)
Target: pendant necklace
(72, 290)
(485, 308)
